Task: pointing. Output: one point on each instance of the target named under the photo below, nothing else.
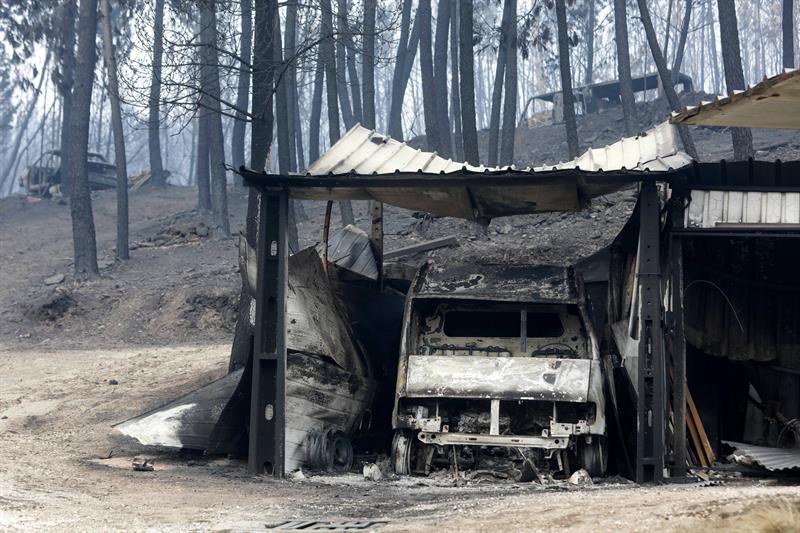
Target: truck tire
(401, 452)
(593, 455)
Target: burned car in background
(43, 177)
(499, 371)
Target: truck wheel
(401, 452)
(593, 455)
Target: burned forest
(399, 265)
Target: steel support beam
(678, 345)
(651, 412)
(268, 395)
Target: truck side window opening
(501, 324)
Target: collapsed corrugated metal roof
(773, 103)
(365, 165)
(365, 152)
(504, 282)
(773, 459)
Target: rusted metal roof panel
(365, 165)
(773, 103)
(773, 459)
(504, 282)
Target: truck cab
(499, 370)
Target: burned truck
(499, 371)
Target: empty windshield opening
(501, 324)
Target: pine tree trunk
(497, 91)
(193, 154)
(368, 65)
(261, 127)
(712, 36)
(316, 108)
(788, 33)
(120, 159)
(243, 85)
(510, 100)
(83, 234)
(282, 119)
(158, 176)
(329, 58)
(211, 100)
(624, 67)
(396, 109)
(426, 65)
(289, 80)
(298, 128)
(260, 140)
(298, 154)
(666, 76)
(455, 87)
(22, 127)
(734, 77)
(469, 127)
(591, 22)
(566, 80)
(687, 16)
(341, 65)
(69, 14)
(440, 79)
(355, 86)
(202, 155)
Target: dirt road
(62, 467)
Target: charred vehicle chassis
(499, 370)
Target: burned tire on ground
(331, 451)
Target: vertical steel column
(268, 399)
(678, 341)
(652, 383)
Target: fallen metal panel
(773, 103)
(319, 396)
(211, 418)
(729, 209)
(498, 377)
(349, 247)
(773, 459)
(517, 283)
